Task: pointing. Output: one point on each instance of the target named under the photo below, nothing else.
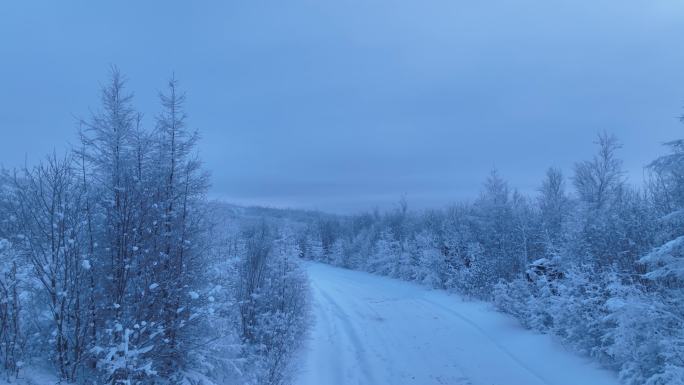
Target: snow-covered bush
(432, 269)
(618, 322)
(643, 336)
(514, 298)
(273, 301)
(384, 258)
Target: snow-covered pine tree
(181, 245)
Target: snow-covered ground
(372, 330)
(32, 376)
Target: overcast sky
(347, 104)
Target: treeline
(591, 259)
(115, 269)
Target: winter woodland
(117, 269)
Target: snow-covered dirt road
(373, 330)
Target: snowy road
(372, 330)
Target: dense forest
(590, 258)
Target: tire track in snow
(351, 333)
(327, 331)
(491, 339)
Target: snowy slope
(373, 330)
